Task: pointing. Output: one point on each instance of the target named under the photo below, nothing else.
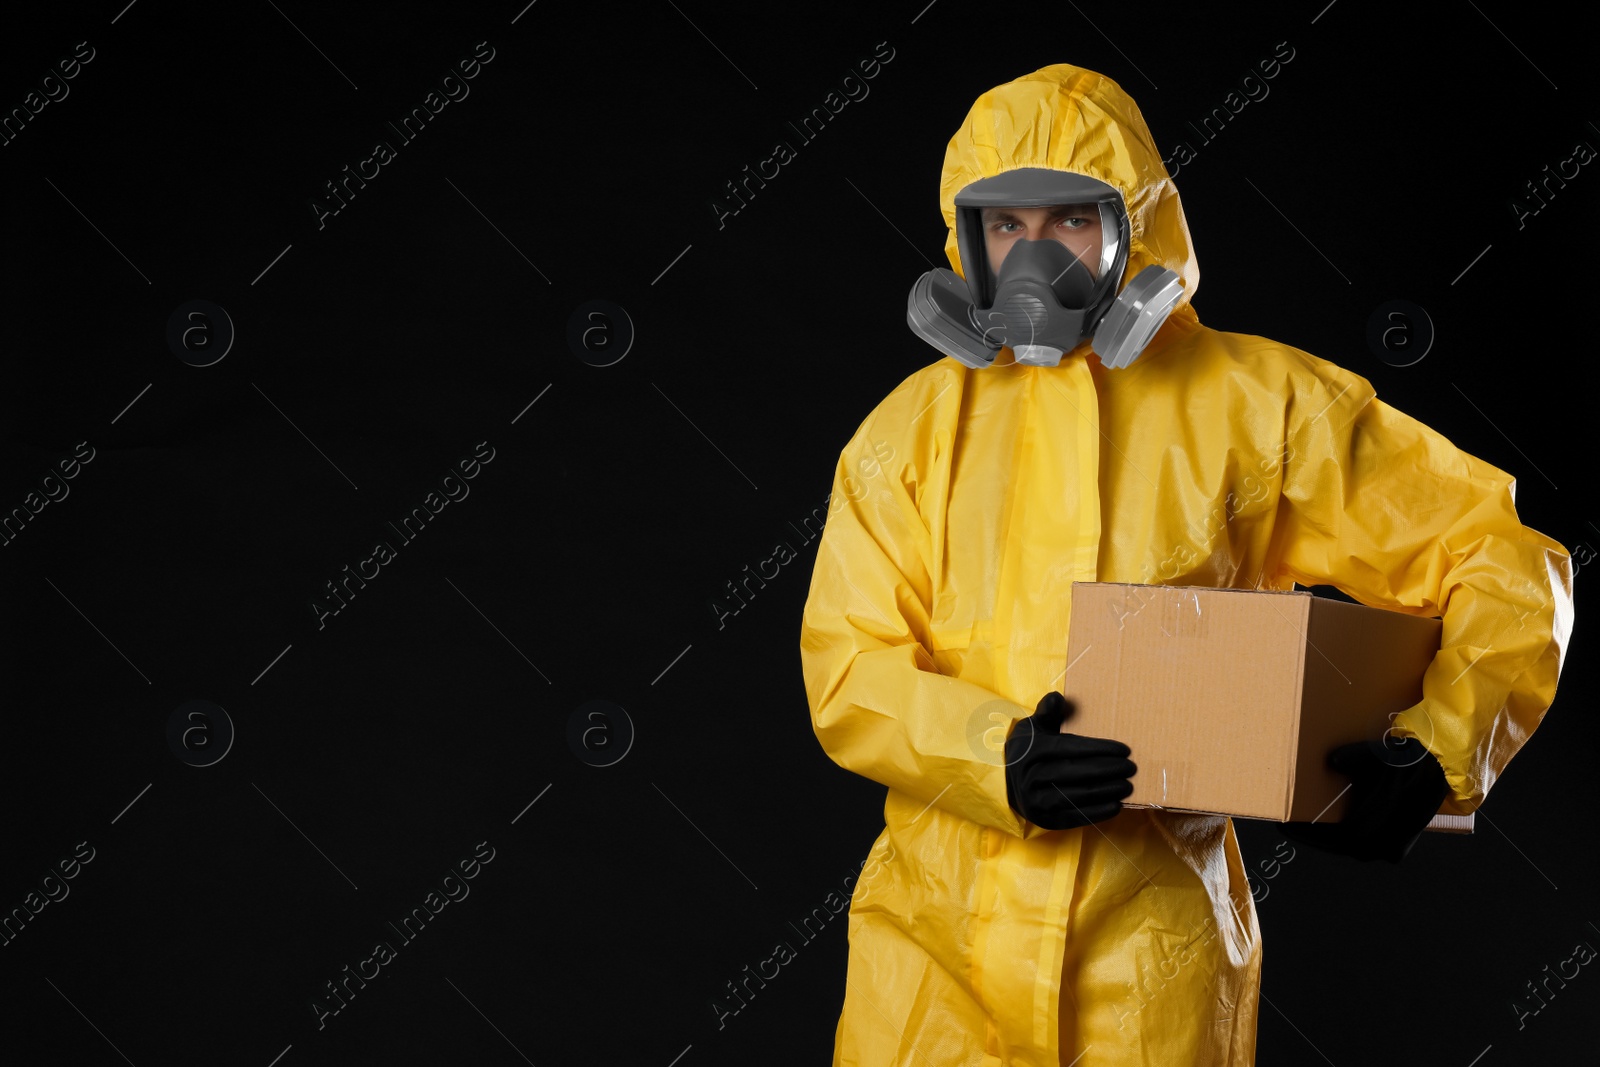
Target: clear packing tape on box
(1231, 699)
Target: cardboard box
(1231, 699)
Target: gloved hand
(1396, 787)
(1059, 781)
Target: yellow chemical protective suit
(964, 507)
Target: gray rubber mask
(1044, 301)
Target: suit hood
(1067, 118)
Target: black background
(429, 313)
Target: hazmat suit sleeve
(1391, 513)
(879, 705)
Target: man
(1076, 226)
(1087, 427)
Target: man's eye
(1077, 221)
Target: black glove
(1059, 781)
(1396, 788)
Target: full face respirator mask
(1044, 301)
